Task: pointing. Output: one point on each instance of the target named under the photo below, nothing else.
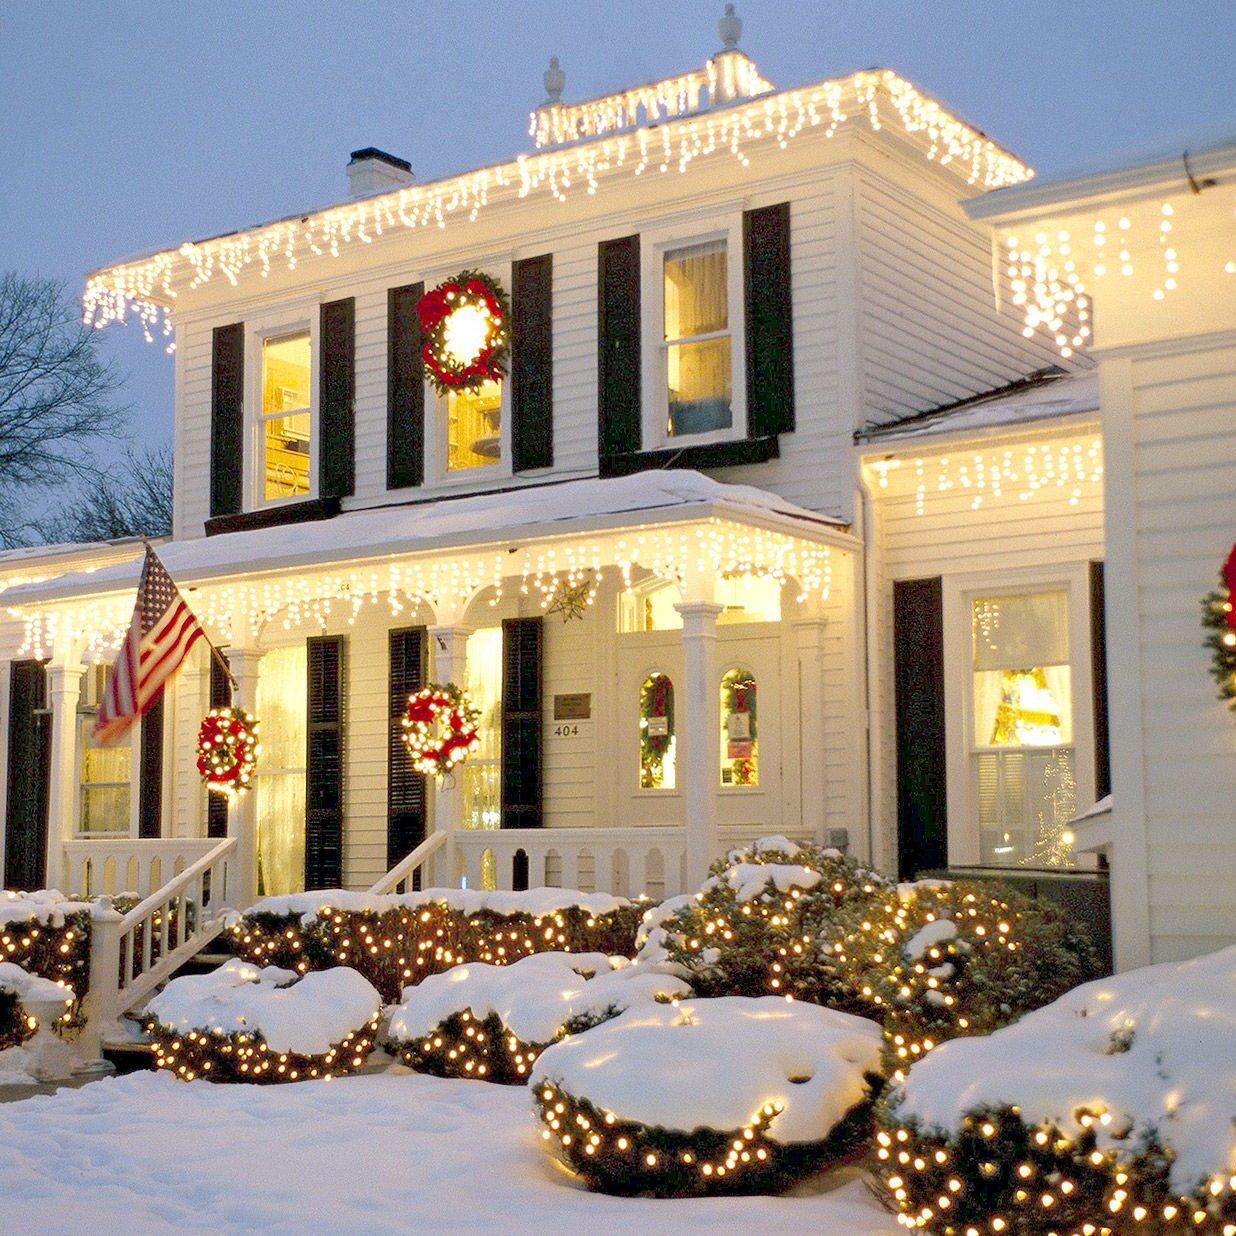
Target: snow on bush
(399, 939)
(243, 1022)
(732, 1095)
(18, 989)
(1113, 1110)
(491, 1022)
(930, 961)
(48, 935)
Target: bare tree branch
(132, 499)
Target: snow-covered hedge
(1111, 1110)
(246, 1023)
(732, 1095)
(47, 935)
(399, 939)
(492, 1022)
(18, 988)
(929, 961)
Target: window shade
(1021, 632)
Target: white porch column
(242, 812)
(448, 660)
(699, 736)
(812, 788)
(64, 690)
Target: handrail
(406, 867)
(178, 882)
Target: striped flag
(161, 633)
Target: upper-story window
(285, 429)
(474, 427)
(699, 387)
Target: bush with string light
(48, 936)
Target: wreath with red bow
(440, 728)
(464, 331)
(228, 750)
(1219, 618)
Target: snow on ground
(1155, 1046)
(395, 1152)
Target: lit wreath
(228, 750)
(464, 332)
(1219, 619)
(439, 728)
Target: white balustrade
(399, 879)
(105, 866)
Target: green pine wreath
(1219, 620)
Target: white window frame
(654, 245)
(81, 712)
(293, 321)
(960, 591)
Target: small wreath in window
(440, 728)
(464, 331)
(228, 750)
(1219, 619)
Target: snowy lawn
(388, 1152)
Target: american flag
(160, 635)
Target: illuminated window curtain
(740, 749)
(698, 370)
(474, 426)
(281, 704)
(106, 772)
(285, 414)
(481, 772)
(658, 741)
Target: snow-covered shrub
(46, 934)
(929, 961)
(491, 1022)
(399, 939)
(732, 1095)
(18, 988)
(1112, 1110)
(243, 1023)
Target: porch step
(129, 1056)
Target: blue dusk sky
(129, 126)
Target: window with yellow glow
(286, 419)
(481, 772)
(283, 688)
(106, 772)
(697, 340)
(740, 744)
(474, 427)
(657, 739)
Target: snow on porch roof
(546, 511)
(1048, 396)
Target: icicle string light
(147, 289)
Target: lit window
(283, 687)
(106, 772)
(1023, 729)
(657, 742)
(697, 340)
(482, 771)
(286, 417)
(474, 427)
(740, 746)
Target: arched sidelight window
(740, 745)
(657, 739)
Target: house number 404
(566, 731)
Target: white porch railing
(105, 866)
(132, 953)
(399, 878)
(627, 862)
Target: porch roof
(552, 511)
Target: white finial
(730, 28)
(555, 81)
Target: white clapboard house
(785, 520)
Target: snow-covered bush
(399, 939)
(19, 989)
(245, 1023)
(492, 1022)
(46, 934)
(732, 1095)
(929, 961)
(1112, 1110)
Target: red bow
(1229, 579)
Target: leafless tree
(56, 393)
(134, 498)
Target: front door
(25, 835)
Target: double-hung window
(285, 418)
(105, 783)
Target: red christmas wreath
(228, 750)
(440, 728)
(464, 331)
(1219, 619)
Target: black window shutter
(337, 399)
(618, 348)
(521, 723)
(29, 759)
(769, 321)
(405, 389)
(405, 787)
(1098, 673)
(150, 775)
(532, 363)
(918, 659)
(227, 419)
(324, 764)
(220, 697)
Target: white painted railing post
(102, 1003)
(448, 652)
(242, 814)
(699, 735)
(813, 808)
(64, 689)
